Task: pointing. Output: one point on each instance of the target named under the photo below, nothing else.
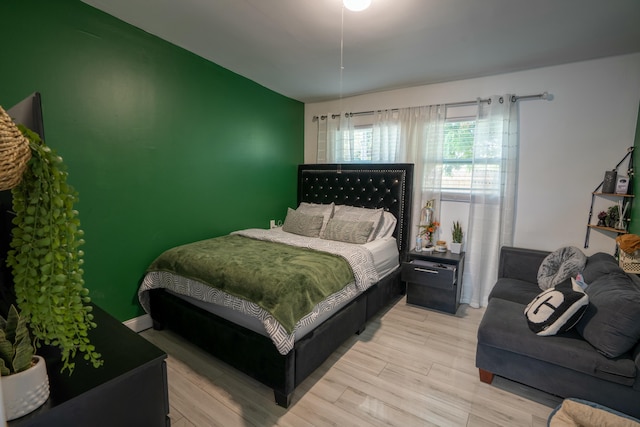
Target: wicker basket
(14, 152)
(630, 263)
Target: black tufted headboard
(377, 185)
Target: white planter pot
(455, 248)
(25, 391)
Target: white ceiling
(293, 46)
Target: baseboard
(140, 323)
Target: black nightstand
(434, 280)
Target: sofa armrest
(520, 263)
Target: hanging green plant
(46, 259)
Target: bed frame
(364, 185)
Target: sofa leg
(486, 376)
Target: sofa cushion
(560, 265)
(556, 309)
(598, 265)
(612, 321)
(514, 290)
(503, 326)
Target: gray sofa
(572, 363)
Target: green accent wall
(634, 225)
(163, 146)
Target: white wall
(566, 144)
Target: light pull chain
(341, 51)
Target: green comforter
(284, 280)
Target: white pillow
(354, 214)
(387, 226)
(315, 209)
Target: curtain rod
(514, 98)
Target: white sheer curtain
(493, 196)
(335, 138)
(406, 135)
(387, 136)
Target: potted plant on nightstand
(456, 238)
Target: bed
(245, 337)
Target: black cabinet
(434, 280)
(130, 389)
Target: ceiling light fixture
(356, 5)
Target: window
(459, 167)
(360, 150)
(457, 158)
(362, 143)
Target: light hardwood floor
(410, 367)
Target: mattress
(381, 256)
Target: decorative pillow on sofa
(598, 265)
(302, 224)
(556, 309)
(611, 323)
(560, 265)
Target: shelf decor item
(602, 216)
(622, 185)
(613, 215)
(609, 182)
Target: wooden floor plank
(410, 367)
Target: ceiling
(294, 46)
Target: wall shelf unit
(625, 199)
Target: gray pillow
(612, 321)
(598, 265)
(353, 213)
(317, 209)
(348, 231)
(560, 265)
(302, 224)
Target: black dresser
(130, 389)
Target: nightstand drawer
(433, 274)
